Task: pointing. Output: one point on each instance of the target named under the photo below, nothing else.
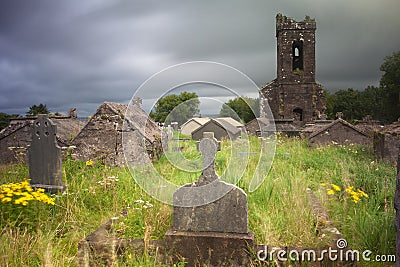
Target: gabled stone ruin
(338, 132)
(101, 138)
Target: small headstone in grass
(170, 133)
(45, 168)
(174, 125)
(209, 204)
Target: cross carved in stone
(208, 147)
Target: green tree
(37, 109)
(348, 101)
(177, 108)
(5, 119)
(390, 83)
(241, 108)
(382, 103)
(374, 103)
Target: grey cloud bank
(79, 54)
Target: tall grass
(279, 210)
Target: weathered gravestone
(45, 168)
(170, 133)
(174, 125)
(210, 222)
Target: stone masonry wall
(386, 146)
(13, 148)
(339, 134)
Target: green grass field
(41, 234)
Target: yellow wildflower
(356, 199)
(362, 193)
(330, 192)
(349, 189)
(23, 201)
(6, 199)
(89, 162)
(336, 187)
(21, 193)
(324, 184)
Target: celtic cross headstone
(45, 168)
(209, 204)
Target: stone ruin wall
(340, 134)
(101, 140)
(386, 146)
(283, 99)
(13, 148)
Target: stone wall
(338, 133)
(386, 146)
(17, 137)
(253, 128)
(13, 148)
(101, 138)
(285, 99)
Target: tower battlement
(287, 23)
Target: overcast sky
(80, 53)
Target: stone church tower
(294, 94)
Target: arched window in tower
(297, 48)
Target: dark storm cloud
(81, 53)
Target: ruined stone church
(294, 94)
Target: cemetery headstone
(170, 133)
(174, 125)
(192, 212)
(45, 167)
(209, 221)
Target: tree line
(34, 110)
(381, 103)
